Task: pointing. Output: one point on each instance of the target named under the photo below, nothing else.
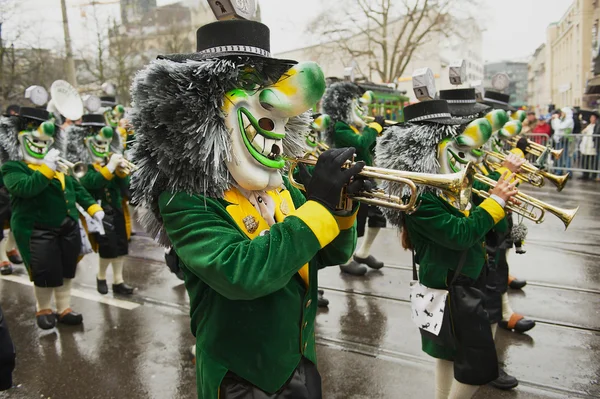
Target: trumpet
(129, 166)
(387, 122)
(77, 170)
(533, 175)
(527, 206)
(536, 149)
(457, 185)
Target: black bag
(446, 336)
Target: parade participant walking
(44, 215)
(106, 178)
(447, 241)
(249, 244)
(347, 105)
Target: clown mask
(317, 127)
(454, 153)
(360, 109)
(256, 113)
(98, 143)
(36, 139)
(113, 115)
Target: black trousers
(7, 355)
(54, 253)
(373, 214)
(305, 383)
(114, 243)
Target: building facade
(538, 89)
(517, 72)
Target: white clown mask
(256, 114)
(454, 153)
(98, 143)
(35, 140)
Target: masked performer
(44, 215)
(249, 243)
(347, 104)
(444, 238)
(106, 177)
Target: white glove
(99, 216)
(114, 162)
(51, 159)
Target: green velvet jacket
(41, 196)
(253, 296)
(363, 142)
(104, 185)
(439, 234)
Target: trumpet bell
(79, 170)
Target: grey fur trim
(181, 141)
(336, 103)
(10, 148)
(411, 147)
(518, 232)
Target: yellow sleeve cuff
(120, 173)
(46, 171)
(106, 173)
(93, 209)
(346, 222)
(494, 209)
(319, 220)
(376, 126)
(518, 152)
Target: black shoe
(122, 289)
(504, 381)
(322, 301)
(521, 325)
(14, 257)
(102, 286)
(6, 269)
(515, 283)
(354, 268)
(70, 318)
(45, 319)
(369, 261)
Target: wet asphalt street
(138, 347)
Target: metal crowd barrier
(581, 153)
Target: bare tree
(387, 32)
(96, 66)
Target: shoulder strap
(461, 263)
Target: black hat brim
(467, 109)
(495, 105)
(85, 124)
(203, 57)
(442, 121)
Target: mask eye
(266, 123)
(461, 154)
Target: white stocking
(103, 264)
(11, 244)
(365, 248)
(3, 250)
(506, 309)
(462, 391)
(43, 297)
(62, 295)
(117, 265)
(494, 329)
(444, 375)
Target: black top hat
(12, 110)
(230, 38)
(497, 100)
(93, 120)
(37, 114)
(108, 101)
(462, 102)
(435, 111)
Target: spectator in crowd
(563, 125)
(542, 127)
(587, 147)
(529, 123)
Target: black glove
(522, 145)
(329, 177)
(381, 120)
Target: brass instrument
(77, 170)
(387, 122)
(526, 205)
(533, 175)
(129, 166)
(536, 149)
(455, 184)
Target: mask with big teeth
(317, 127)
(98, 143)
(256, 114)
(360, 109)
(113, 115)
(454, 153)
(36, 140)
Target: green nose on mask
(47, 128)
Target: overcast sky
(514, 28)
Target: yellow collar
(354, 129)
(57, 175)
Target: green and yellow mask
(454, 153)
